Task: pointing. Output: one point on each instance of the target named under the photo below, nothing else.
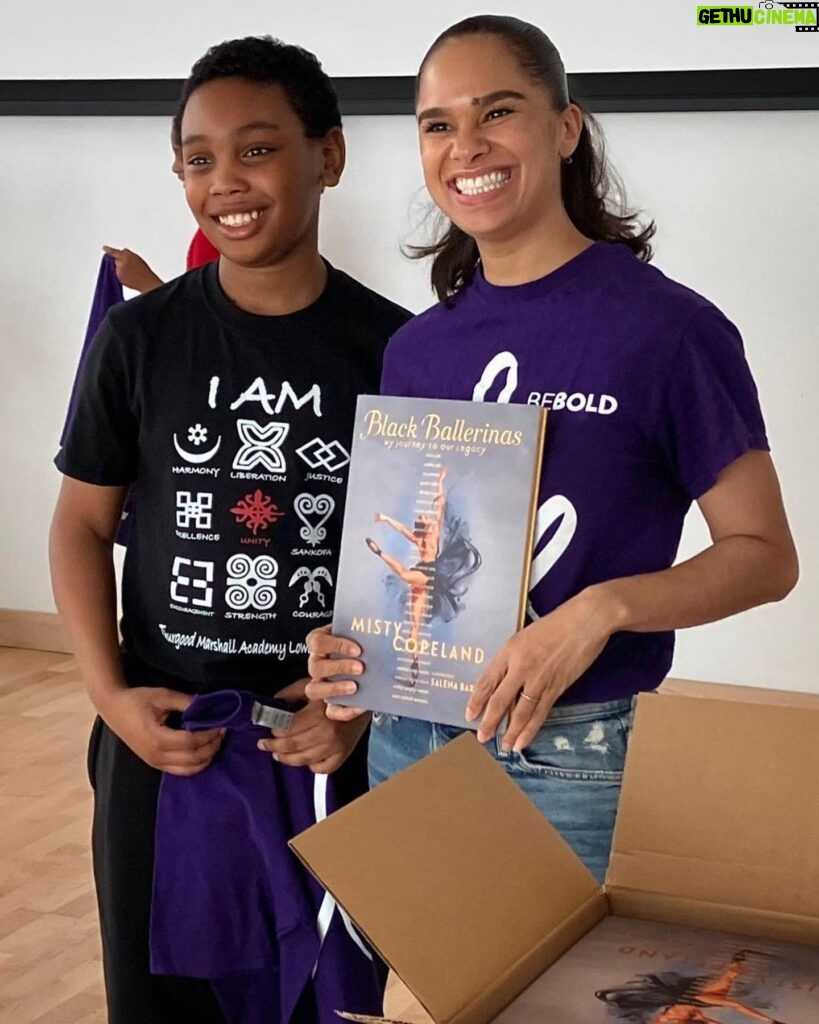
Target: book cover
(644, 972)
(436, 546)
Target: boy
(227, 396)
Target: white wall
(734, 197)
(161, 38)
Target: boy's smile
(239, 223)
(236, 221)
(252, 178)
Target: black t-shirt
(235, 431)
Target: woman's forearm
(734, 574)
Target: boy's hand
(313, 740)
(132, 270)
(137, 715)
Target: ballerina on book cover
(682, 999)
(447, 558)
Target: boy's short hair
(269, 61)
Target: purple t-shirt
(231, 902)
(649, 398)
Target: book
(627, 971)
(436, 547)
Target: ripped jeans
(572, 771)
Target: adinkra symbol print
(256, 511)
(197, 435)
(319, 454)
(251, 582)
(261, 446)
(312, 583)
(314, 511)
(194, 510)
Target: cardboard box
(469, 894)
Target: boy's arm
(82, 576)
(82, 572)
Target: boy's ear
(334, 151)
(176, 166)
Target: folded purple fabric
(231, 902)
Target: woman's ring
(532, 700)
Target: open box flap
(720, 804)
(456, 878)
(745, 694)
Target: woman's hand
(322, 645)
(536, 666)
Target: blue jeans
(572, 771)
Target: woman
(546, 297)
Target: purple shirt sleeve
(710, 415)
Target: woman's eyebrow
(499, 94)
(477, 101)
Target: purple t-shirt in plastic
(231, 902)
(649, 398)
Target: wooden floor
(50, 971)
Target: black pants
(125, 798)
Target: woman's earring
(568, 160)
